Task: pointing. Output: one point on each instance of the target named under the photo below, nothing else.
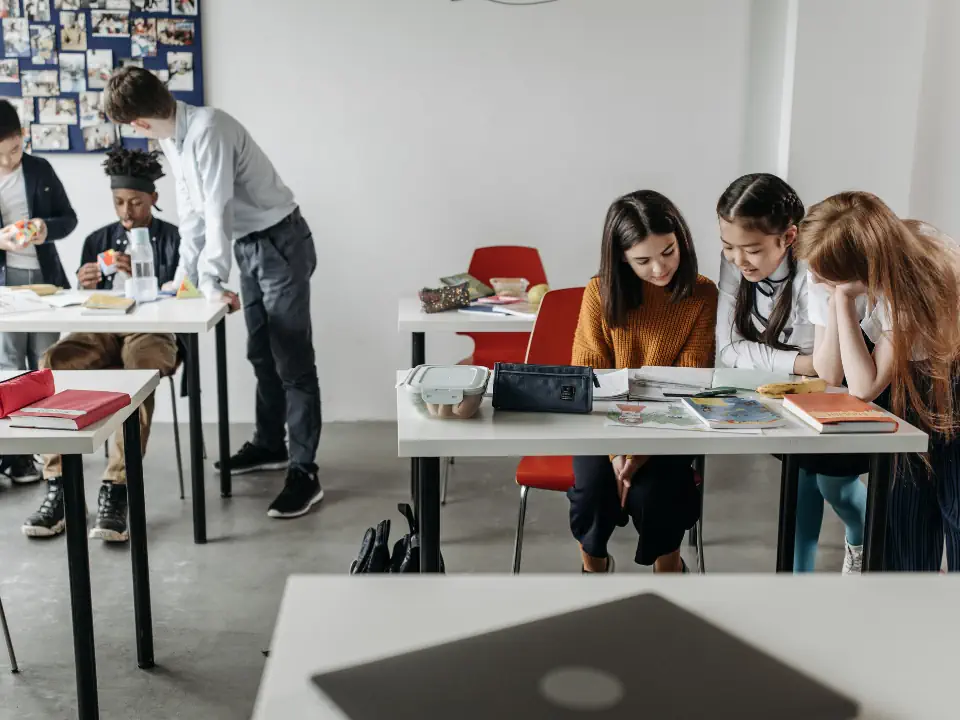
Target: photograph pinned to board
(91, 109)
(151, 6)
(185, 7)
(99, 68)
(24, 108)
(40, 83)
(67, 4)
(163, 75)
(10, 71)
(16, 37)
(43, 44)
(110, 23)
(118, 5)
(73, 31)
(175, 31)
(37, 10)
(73, 73)
(143, 37)
(9, 8)
(180, 65)
(50, 137)
(99, 137)
(57, 111)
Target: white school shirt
(732, 350)
(227, 188)
(13, 208)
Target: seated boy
(132, 176)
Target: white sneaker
(852, 559)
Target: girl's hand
(851, 290)
(624, 468)
(803, 365)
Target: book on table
(104, 304)
(829, 413)
(732, 413)
(70, 410)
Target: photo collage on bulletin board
(59, 54)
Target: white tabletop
(889, 642)
(138, 384)
(167, 315)
(503, 434)
(412, 319)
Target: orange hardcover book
(839, 413)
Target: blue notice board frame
(121, 47)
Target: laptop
(637, 658)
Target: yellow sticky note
(188, 290)
(710, 402)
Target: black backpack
(375, 556)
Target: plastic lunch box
(510, 287)
(448, 391)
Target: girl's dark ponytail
(763, 202)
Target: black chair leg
(6, 636)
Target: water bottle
(142, 285)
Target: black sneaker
(253, 459)
(49, 520)
(301, 492)
(20, 469)
(111, 525)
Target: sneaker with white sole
(611, 567)
(252, 458)
(49, 520)
(111, 524)
(852, 559)
(21, 469)
(300, 493)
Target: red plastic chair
(551, 343)
(503, 261)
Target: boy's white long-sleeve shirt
(227, 188)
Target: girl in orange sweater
(648, 306)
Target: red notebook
(839, 413)
(70, 410)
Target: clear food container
(448, 391)
(510, 287)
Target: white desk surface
(888, 642)
(502, 434)
(138, 384)
(412, 319)
(167, 315)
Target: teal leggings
(848, 497)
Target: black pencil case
(543, 388)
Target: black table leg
(878, 494)
(418, 357)
(142, 612)
(429, 516)
(223, 410)
(196, 442)
(78, 564)
(789, 480)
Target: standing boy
(230, 195)
(29, 190)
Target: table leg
(418, 357)
(429, 516)
(878, 493)
(196, 442)
(142, 612)
(789, 480)
(223, 410)
(78, 564)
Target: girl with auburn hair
(897, 283)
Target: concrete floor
(214, 606)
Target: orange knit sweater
(658, 333)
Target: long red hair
(910, 266)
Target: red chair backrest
(507, 261)
(551, 342)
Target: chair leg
(444, 479)
(6, 636)
(176, 432)
(700, 465)
(518, 545)
(203, 444)
(700, 562)
(106, 450)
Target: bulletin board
(58, 55)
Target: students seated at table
(29, 190)
(762, 323)
(898, 284)
(133, 174)
(648, 306)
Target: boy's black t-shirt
(164, 237)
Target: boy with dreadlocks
(133, 174)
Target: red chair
(503, 261)
(551, 343)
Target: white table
(516, 434)
(823, 625)
(138, 384)
(185, 317)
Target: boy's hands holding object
(89, 276)
(123, 263)
(22, 234)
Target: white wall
(413, 132)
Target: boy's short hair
(134, 94)
(9, 121)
